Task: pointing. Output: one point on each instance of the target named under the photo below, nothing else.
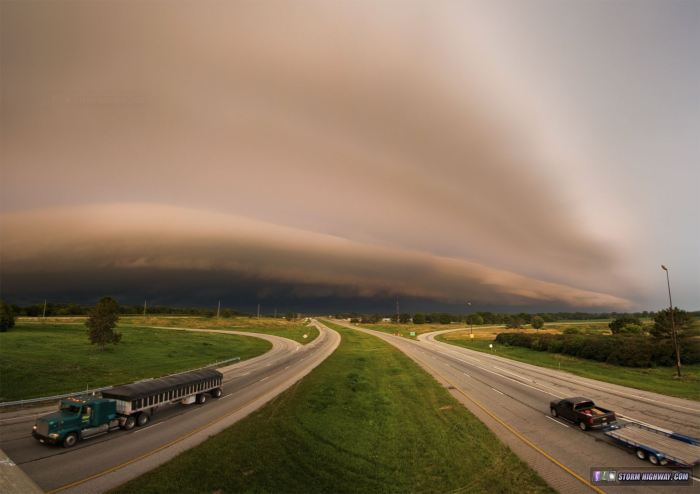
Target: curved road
(512, 399)
(106, 461)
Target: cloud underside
(150, 239)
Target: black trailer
(140, 399)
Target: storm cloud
(349, 146)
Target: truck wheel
(582, 425)
(129, 423)
(142, 419)
(201, 398)
(70, 440)
(641, 454)
(553, 411)
(216, 393)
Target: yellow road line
(518, 434)
(146, 455)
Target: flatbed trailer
(657, 446)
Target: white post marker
(491, 346)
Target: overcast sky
(520, 154)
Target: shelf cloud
(354, 146)
(142, 238)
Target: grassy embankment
(47, 359)
(656, 379)
(368, 419)
(294, 330)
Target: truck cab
(76, 418)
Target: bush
(419, 319)
(537, 322)
(7, 317)
(626, 350)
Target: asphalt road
(101, 463)
(512, 399)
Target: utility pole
(144, 307)
(43, 315)
(275, 312)
(673, 324)
(398, 316)
(218, 309)
(258, 311)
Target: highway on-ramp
(512, 399)
(101, 463)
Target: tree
(619, 323)
(418, 318)
(405, 318)
(475, 319)
(513, 322)
(537, 322)
(662, 323)
(444, 318)
(101, 322)
(7, 317)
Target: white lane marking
(490, 359)
(150, 426)
(264, 378)
(696, 479)
(245, 373)
(226, 396)
(286, 367)
(468, 375)
(514, 374)
(556, 421)
(497, 391)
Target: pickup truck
(582, 412)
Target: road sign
(412, 333)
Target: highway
(512, 399)
(101, 463)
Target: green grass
(48, 359)
(407, 329)
(367, 419)
(294, 330)
(657, 379)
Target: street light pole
(673, 324)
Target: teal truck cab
(77, 418)
(124, 406)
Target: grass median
(368, 419)
(47, 359)
(657, 379)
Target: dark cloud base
(187, 288)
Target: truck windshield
(67, 407)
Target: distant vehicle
(582, 412)
(657, 446)
(124, 406)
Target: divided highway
(104, 462)
(512, 399)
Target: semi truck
(124, 407)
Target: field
(46, 359)
(294, 330)
(367, 419)
(658, 379)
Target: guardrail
(20, 403)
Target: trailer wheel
(582, 425)
(641, 454)
(216, 393)
(70, 440)
(653, 459)
(129, 423)
(142, 419)
(553, 412)
(201, 398)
